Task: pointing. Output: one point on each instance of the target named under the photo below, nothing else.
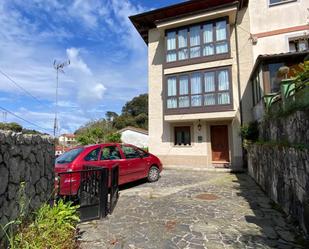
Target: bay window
(200, 91)
(203, 41)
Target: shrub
(113, 138)
(250, 132)
(52, 227)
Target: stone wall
(283, 173)
(293, 128)
(28, 160)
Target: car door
(92, 158)
(110, 156)
(135, 165)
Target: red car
(134, 164)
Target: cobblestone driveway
(231, 212)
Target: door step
(224, 165)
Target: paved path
(192, 210)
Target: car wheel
(153, 174)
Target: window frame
(203, 108)
(180, 128)
(98, 156)
(202, 58)
(279, 3)
(124, 154)
(108, 146)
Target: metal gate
(114, 190)
(90, 189)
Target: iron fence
(94, 189)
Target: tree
(136, 106)
(110, 116)
(134, 113)
(94, 132)
(124, 121)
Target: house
(59, 150)
(68, 140)
(197, 80)
(200, 59)
(136, 136)
(280, 33)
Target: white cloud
(27, 51)
(76, 61)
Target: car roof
(95, 145)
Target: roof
(147, 20)
(131, 128)
(273, 58)
(61, 148)
(68, 135)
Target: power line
(29, 122)
(23, 89)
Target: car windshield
(69, 156)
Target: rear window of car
(69, 156)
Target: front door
(219, 143)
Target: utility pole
(4, 116)
(59, 68)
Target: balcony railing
(292, 95)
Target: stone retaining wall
(283, 173)
(28, 160)
(293, 128)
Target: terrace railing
(292, 94)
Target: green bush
(113, 138)
(52, 227)
(11, 126)
(250, 132)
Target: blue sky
(108, 58)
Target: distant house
(135, 136)
(59, 150)
(67, 140)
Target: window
(182, 135)
(257, 91)
(110, 153)
(172, 92)
(203, 40)
(184, 100)
(130, 152)
(276, 2)
(93, 155)
(298, 45)
(274, 76)
(69, 156)
(196, 89)
(143, 153)
(171, 47)
(199, 89)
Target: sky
(108, 59)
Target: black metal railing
(114, 190)
(90, 189)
